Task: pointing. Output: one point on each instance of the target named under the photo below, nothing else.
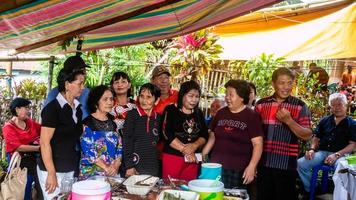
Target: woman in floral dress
(101, 143)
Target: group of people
(106, 132)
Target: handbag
(14, 184)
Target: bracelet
(311, 149)
(337, 155)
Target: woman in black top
(100, 143)
(60, 132)
(141, 134)
(185, 132)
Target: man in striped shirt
(285, 120)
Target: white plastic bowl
(140, 189)
(91, 189)
(186, 195)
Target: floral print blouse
(105, 144)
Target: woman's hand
(117, 164)
(189, 148)
(111, 170)
(131, 172)
(249, 174)
(51, 183)
(190, 158)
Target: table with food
(146, 187)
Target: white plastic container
(207, 189)
(91, 190)
(186, 195)
(140, 189)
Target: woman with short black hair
(238, 136)
(101, 143)
(185, 132)
(123, 102)
(61, 128)
(21, 134)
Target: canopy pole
(9, 79)
(22, 59)
(50, 74)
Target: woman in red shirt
(22, 134)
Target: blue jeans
(305, 166)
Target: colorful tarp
(47, 20)
(328, 32)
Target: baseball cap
(160, 70)
(19, 102)
(74, 62)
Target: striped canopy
(43, 25)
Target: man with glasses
(73, 63)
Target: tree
(134, 60)
(195, 53)
(259, 71)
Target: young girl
(141, 134)
(185, 132)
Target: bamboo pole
(9, 73)
(21, 59)
(50, 74)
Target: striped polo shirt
(280, 150)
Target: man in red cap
(161, 78)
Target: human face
(146, 100)
(191, 99)
(121, 86)
(338, 108)
(214, 107)
(233, 100)
(23, 113)
(163, 82)
(106, 102)
(283, 87)
(76, 87)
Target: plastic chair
(324, 179)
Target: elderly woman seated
(335, 136)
